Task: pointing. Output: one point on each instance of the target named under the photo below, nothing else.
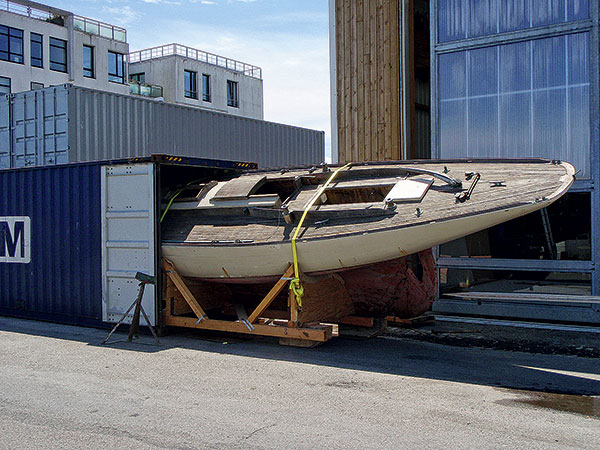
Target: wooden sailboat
(240, 230)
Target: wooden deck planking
(523, 184)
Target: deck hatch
(409, 190)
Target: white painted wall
(168, 72)
(22, 75)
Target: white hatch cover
(409, 190)
(128, 230)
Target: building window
(37, 50)
(190, 84)
(138, 77)
(4, 85)
(233, 98)
(206, 87)
(88, 61)
(35, 85)
(461, 19)
(11, 44)
(116, 67)
(58, 55)
(517, 99)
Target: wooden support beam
(379, 326)
(293, 309)
(273, 293)
(321, 334)
(415, 321)
(187, 294)
(358, 321)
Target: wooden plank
(339, 39)
(358, 321)
(366, 70)
(240, 188)
(380, 94)
(424, 319)
(293, 304)
(273, 293)
(180, 284)
(358, 75)
(373, 32)
(354, 81)
(386, 88)
(379, 326)
(395, 119)
(319, 334)
(348, 84)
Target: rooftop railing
(57, 17)
(198, 55)
(24, 10)
(98, 28)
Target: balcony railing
(98, 28)
(198, 55)
(145, 90)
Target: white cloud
(124, 15)
(162, 2)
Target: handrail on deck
(198, 55)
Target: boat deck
(520, 183)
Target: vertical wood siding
(368, 80)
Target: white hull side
(344, 252)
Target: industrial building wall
(368, 80)
(522, 80)
(71, 124)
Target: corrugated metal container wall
(105, 126)
(4, 131)
(62, 282)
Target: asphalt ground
(59, 388)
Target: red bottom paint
(392, 288)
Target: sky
(288, 39)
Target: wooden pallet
(290, 332)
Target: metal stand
(144, 279)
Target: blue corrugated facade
(62, 282)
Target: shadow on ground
(403, 357)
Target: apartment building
(192, 77)
(43, 46)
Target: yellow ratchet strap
(296, 284)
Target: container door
(128, 229)
(5, 132)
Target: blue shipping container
(50, 244)
(52, 240)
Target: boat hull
(260, 262)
